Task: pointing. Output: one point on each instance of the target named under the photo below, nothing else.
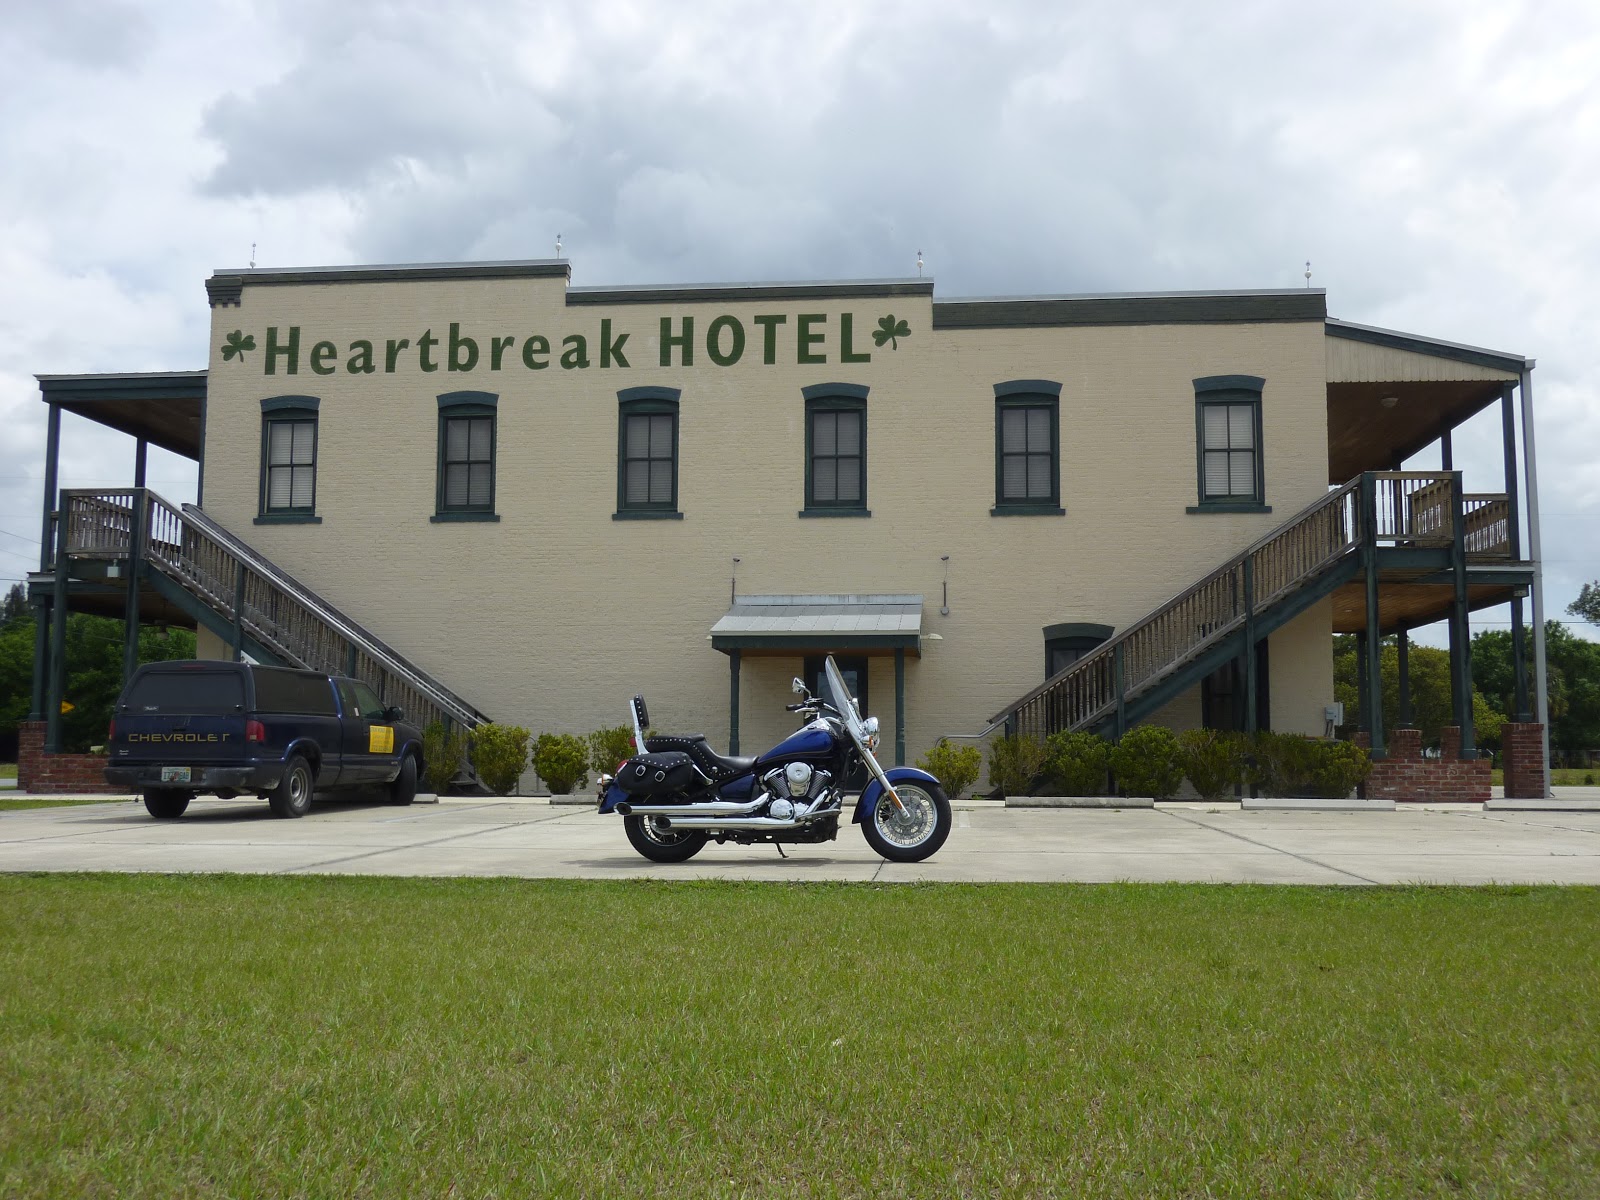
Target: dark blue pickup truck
(183, 728)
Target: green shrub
(499, 756)
(1077, 763)
(955, 767)
(442, 753)
(1148, 762)
(608, 748)
(1015, 763)
(1288, 764)
(562, 760)
(1214, 761)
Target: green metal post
(238, 611)
(58, 646)
(733, 702)
(130, 616)
(899, 706)
(1460, 632)
(1250, 697)
(1372, 703)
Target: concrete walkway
(1178, 842)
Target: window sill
(288, 519)
(834, 512)
(1250, 507)
(453, 517)
(1027, 510)
(646, 515)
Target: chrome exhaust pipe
(749, 824)
(713, 808)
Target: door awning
(862, 624)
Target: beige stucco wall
(556, 614)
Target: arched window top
(273, 404)
(468, 400)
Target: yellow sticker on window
(380, 739)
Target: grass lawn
(8, 770)
(1559, 777)
(10, 803)
(242, 1036)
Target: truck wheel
(292, 796)
(404, 788)
(165, 803)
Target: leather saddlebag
(658, 774)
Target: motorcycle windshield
(839, 696)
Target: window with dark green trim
(647, 452)
(467, 444)
(836, 450)
(1027, 447)
(1228, 442)
(1066, 644)
(289, 458)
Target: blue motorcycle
(677, 793)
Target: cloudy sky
(1437, 161)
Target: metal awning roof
(820, 624)
(165, 408)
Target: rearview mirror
(798, 688)
(394, 713)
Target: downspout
(1541, 699)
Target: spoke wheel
(660, 843)
(914, 834)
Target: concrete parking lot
(1217, 843)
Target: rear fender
(613, 796)
(874, 789)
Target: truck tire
(292, 796)
(165, 804)
(404, 788)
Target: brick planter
(57, 774)
(1406, 777)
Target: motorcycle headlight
(869, 727)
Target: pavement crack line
(1264, 846)
(348, 858)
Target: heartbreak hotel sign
(810, 338)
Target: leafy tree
(1432, 707)
(1587, 605)
(14, 605)
(94, 673)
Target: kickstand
(779, 847)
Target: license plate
(174, 774)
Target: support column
(58, 647)
(733, 702)
(1251, 700)
(52, 458)
(899, 706)
(1363, 708)
(139, 456)
(1446, 458)
(1118, 682)
(41, 659)
(1508, 439)
(1405, 717)
(1373, 701)
(130, 616)
(1530, 463)
(1460, 631)
(238, 611)
(1519, 665)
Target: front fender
(874, 789)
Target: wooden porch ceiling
(1364, 435)
(1407, 604)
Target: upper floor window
(466, 456)
(289, 458)
(1066, 644)
(647, 453)
(1228, 434)
(836, 450)
(1027, 447)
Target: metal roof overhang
(861, 624)
(164, 408)
(1435, 385)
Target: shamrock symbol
(239, 341)
(889, 329)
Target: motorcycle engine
(794, 789)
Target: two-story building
(501, 497)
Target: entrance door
(853, 667)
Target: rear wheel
(165, 803)
(914, 834)
(292, 796)
(404, 788)
(663, 844)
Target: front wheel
(914, 834)
(663, 844)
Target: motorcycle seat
(717, 766)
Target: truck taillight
(111, 730)
(255, 731)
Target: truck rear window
(280, 691)
(187, 692)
